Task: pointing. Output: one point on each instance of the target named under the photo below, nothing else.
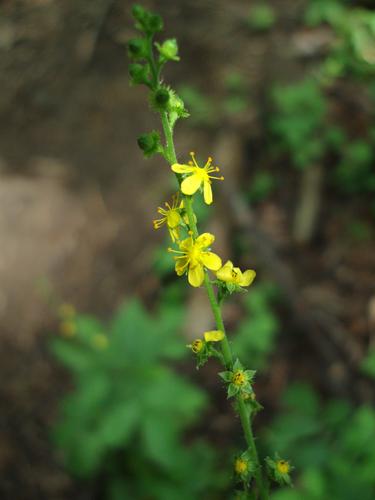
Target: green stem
(216, 310)
(151, 60)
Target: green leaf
(73, 356)
(119, 423)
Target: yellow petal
(174, 233)
(191, 184)
(247, 277)
(173, 218)
(213, 336)
(181, 169)
(205, 240)
(196, 275)
(225, 273)
(180, 266)
(236, 275)
(207, 192)
(186, 244)
(211, 260)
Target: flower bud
(154, 23)
(147, 22)
(139, 74)
(137, 48)
(168, 50)
(138, 12)
(150, 143)
(160, 99)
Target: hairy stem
(216, 310)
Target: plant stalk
(216, 310)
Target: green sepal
(247, 388)
(254, 406)
(176, 108)
(237, 365)
(226, 376)
(202, 357)
(226, 289)
(250, 374)
(232, 390)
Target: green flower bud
(162, 96)
(146, 21)
(150, 143)
(160, 99)
(177, 104)
(168, 50)
(137, 48)
(138, 12)
(139, 74)
(176, 108)
(154, 23)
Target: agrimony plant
(191, 249)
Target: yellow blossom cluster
(193, 256)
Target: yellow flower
(241, 466)
(234, 275)
(171, 215)
(283, 467)
(194, 258)
(239, 378)
(196, 176)
(213, 336)
(196, 346)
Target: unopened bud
(137, 48)
(150, 143)
(169, 49)
(139, 74)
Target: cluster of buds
(145, 69)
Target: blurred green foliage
(208, 110)
(353, 52)
(129, 410)
(262, 186)
(331, 446)
(255, 336)
(202, 108)
(355, 172)
(298, 121)
(368, 364)
(261, 17)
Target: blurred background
(100, 398)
